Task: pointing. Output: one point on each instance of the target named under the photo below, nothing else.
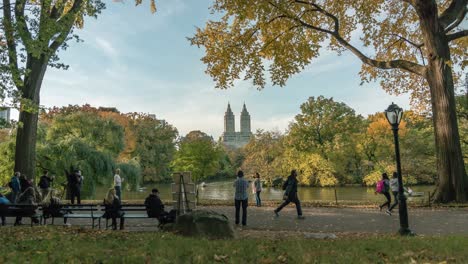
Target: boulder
(203, 223)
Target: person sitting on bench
(113, 207)
(52, 205)
(155, 208)
(29, 196)
(3, 200)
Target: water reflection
(223, 190)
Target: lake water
(223, 190)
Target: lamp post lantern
(394, 115)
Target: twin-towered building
(230, 137)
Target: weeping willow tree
(86, 141)
(31, 33)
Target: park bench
(132, 211)
(87, 211)
(19, 210)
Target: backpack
(380, 187)
(285, 184)
(42, 183)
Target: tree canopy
(410, 46)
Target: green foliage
(155, 146)
(331, 146)
(198, 154)
(131, 171)
(7, 159)
(313, 169)
(263, 154)
(90, 246)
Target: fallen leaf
(282, 259)
(220, 258)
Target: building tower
(245, 121)
(229, 122)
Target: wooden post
(336, 197)
(429, 198)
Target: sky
(141, 62)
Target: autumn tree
(31, 33)
(155, 146)
(410, 46)
(198, 154)
(328, 128)
(263, 155)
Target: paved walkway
(328, 220)
(421, 221)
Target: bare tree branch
(393, 64)
(457, 35)
(457, 22)
(456, 9)
(11, 44)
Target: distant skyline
(139, 62)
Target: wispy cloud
(107, 48)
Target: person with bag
(15, 186)
(383, 187)
(290, 195)
(45, 183)
(113, 209)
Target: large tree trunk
(25, 155)
(453, 183)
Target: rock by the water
(203, 223)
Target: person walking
(290, 195)
(394, 189)
(45, 183)
(383, 187)
(241, 197)
(75, 187)
(113, 206)
(258, 189)
(118, 184)
(15, 186)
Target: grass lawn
(79, 245)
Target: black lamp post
(394, 114)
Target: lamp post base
(406, 232)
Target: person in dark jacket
(113, 206)
(290, 195)
(154, 205)
(386, 193)
(25, 183)
(155, 208)
(74, 183)
(45, 183)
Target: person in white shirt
(394, 189)
(258, 189)
(118, 184)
